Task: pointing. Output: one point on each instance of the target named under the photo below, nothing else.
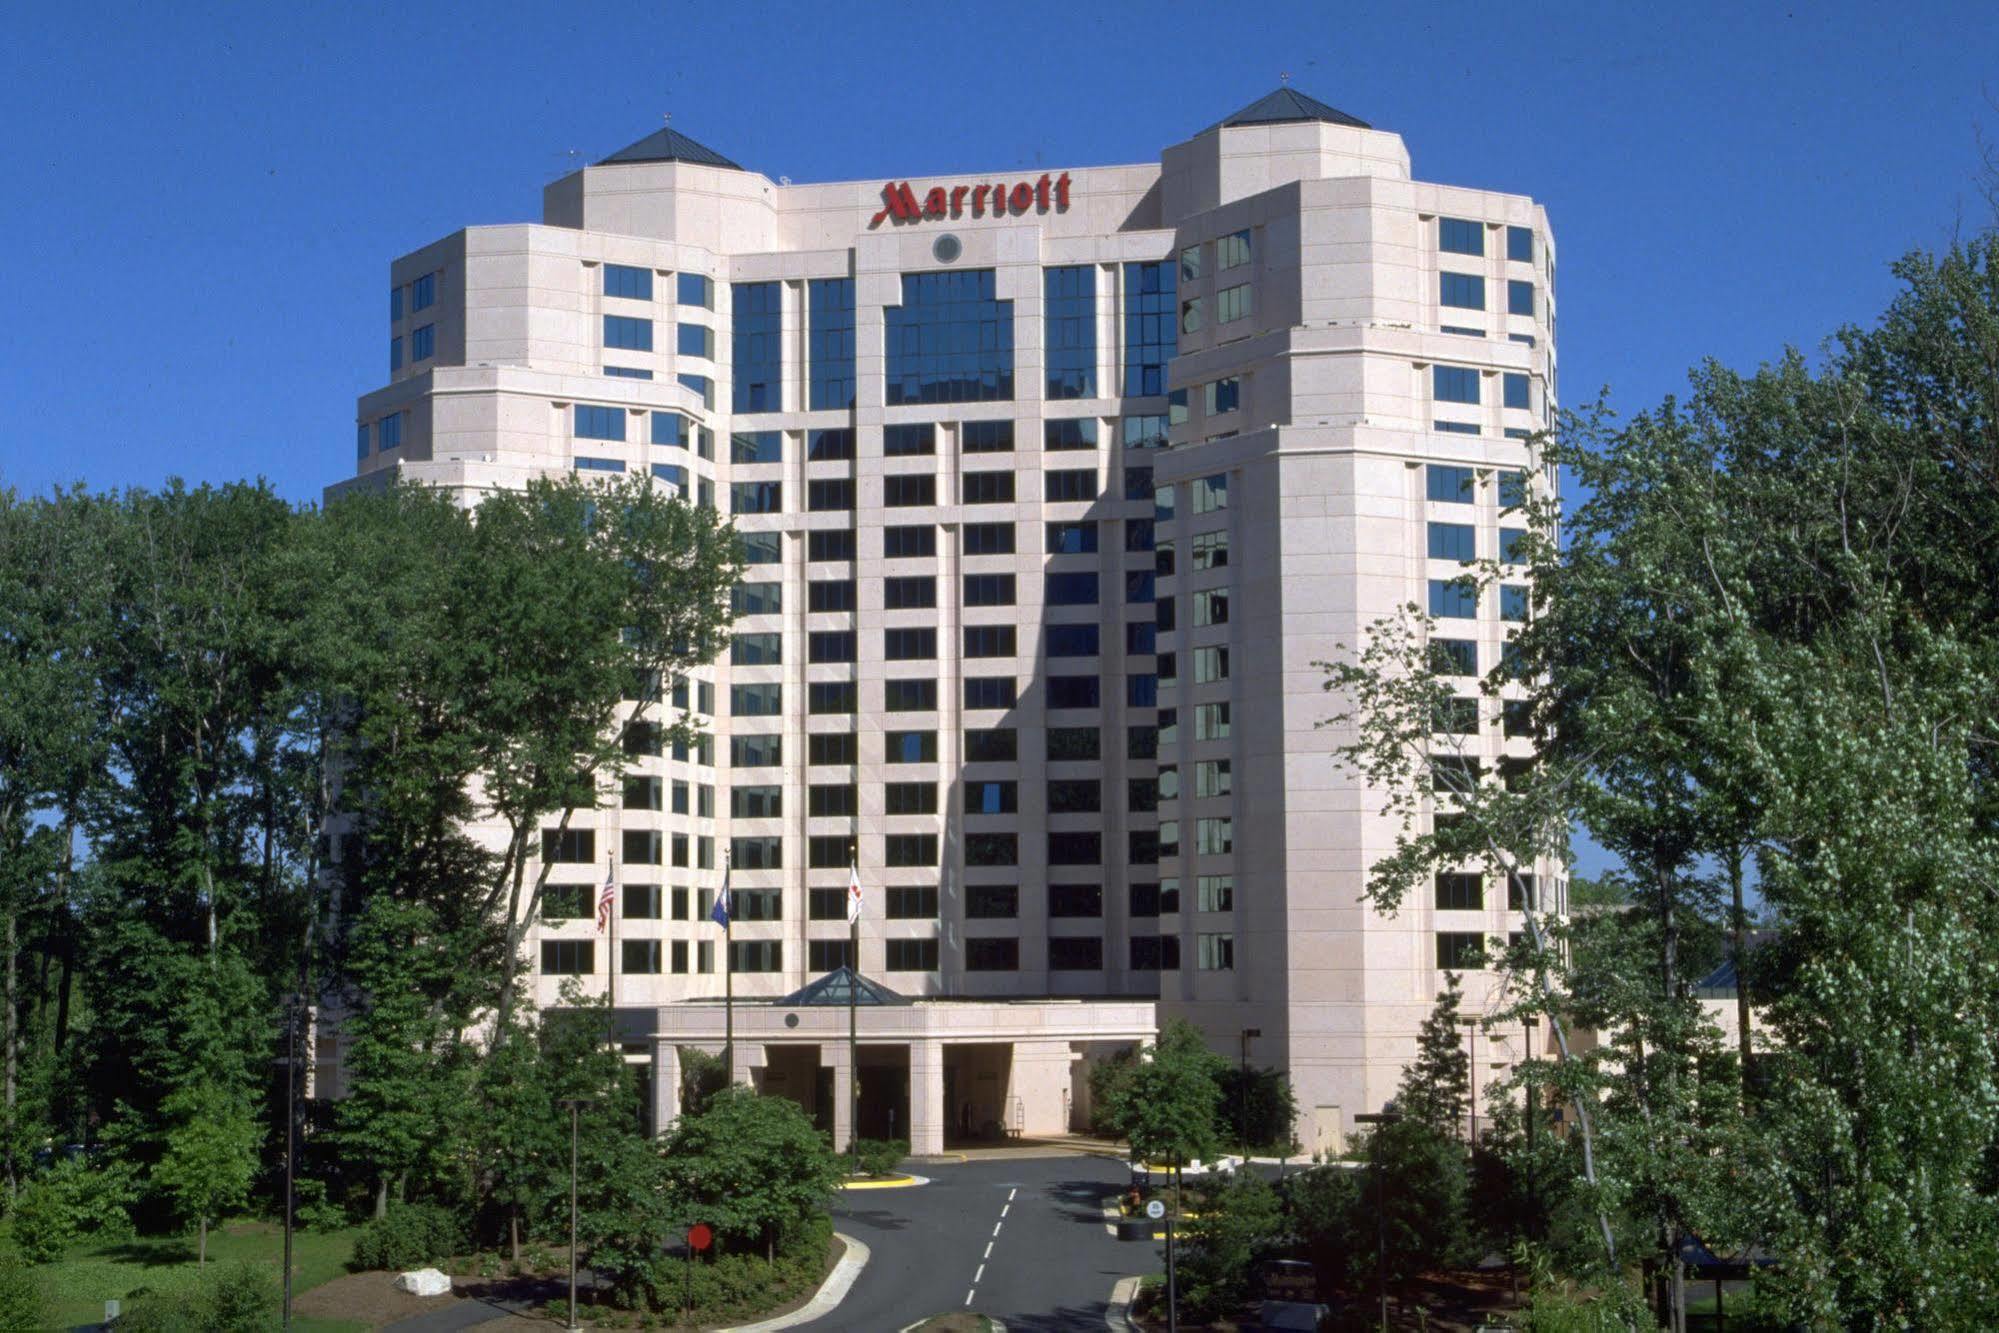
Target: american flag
(607, 897)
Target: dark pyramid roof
(834, 988)
(1287, 105)
(670, 145)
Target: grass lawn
(82, 1280)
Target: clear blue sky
(200, 203)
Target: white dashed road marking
(979, 1276)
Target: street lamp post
(1242, 1120)
(575, 1106)
(1380, 1207)
(1470, 1024)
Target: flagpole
(853, 992)
(728, 984)
(611, 961)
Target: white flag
(853, 894)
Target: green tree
(211, 1157)
(751, 1167)
(1240, 1222)
(1167, 1103)
(1436, 1085)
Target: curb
(831, 1292)
(1117, 1315)
(892, 1183)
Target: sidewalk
(1052, 1145)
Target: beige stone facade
(1218, 469)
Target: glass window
(1454, 657)
(830, 595)
(1190, 263)
(986, 437)
(1512, 602)
(1074, 692)
(423, 292)
(627, 373)
(992, 849)
(756, 497)
(834, 748)
(395, 354)
(1070, 433)
(1232, 250)
(910, 593)
(902, 489)
(904, 440)
(1512, 489)
(1211, 664)
(989, 590)
(989, 641)
(1461, 291)
(1516, 391)
(1150, 338)
(1079, 538)
(991, 798)
(1233, 303)
(1192, 312)
(694, 340)
(829, 494)
(756, 346)
(1454, 384)
(990, 902)
(395, 304)
(1519, 298)
(1449, 484)
(1455, 599)
(1072, 641)
(1069, 330)
(831, 342)
(756, 650)
(1512, 545)
(1215, 953)
(986, 488)
(829, 546)
(1453, 541)
(987, 538)
(423, 342)
(1214, 893)
(585, 463)
(696, 289)
(756, 446)
(990, 692)
(992, 745)
(1211, 722)
(1459, 951)
(1211, 607)
(634, 284)
(992, 955)
(763, 699)
(761, 548)
(568, 958)
(1068, 953)
(910, 955)
(830, 646)
(909, 542)
(1213, 777)
(627, 333)
(1211, 493)
(599, 423)
(950, 341)
(909, 747)
(910, 696)
(1144, 432)
(910, 644)
(1460, 236)
(830, 446)
(1209, 550)
(1520, 244)
(1072, 485)
(1223, 395)
(756, 751)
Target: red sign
(899, 202)
(699, 1237)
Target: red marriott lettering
(899, 203)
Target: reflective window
(1232, 250)
(1453, 599)
(1070, 588)
(756, 497)
(1192, 314)
(1454, 657)
(1144, 432)
(1070, 433)
(599, 423)
(694, 340)
(1190, 263)
(627, 333)
(985, 488)
(627, 373)
(1072, 641)
(634, 284)
(1069, 330)
(1453, 541)
(587, 464)
(696, 289)
(830, 446)
(1517, 392)
(1519, 298)
(905, 543)
(703, 387)
(756, 347)
(1232, 304)
(1223, 395)
(829, 545)
(1512, 489)
(395, 354)
(950, 341)
(389, 430)
(423, 292)
(1520, 244)
(1149, 334)
(423, 342)
(395, 304)
(1463, 291)
(1460, 236)
(905, 440)
(1210, 493)
(986, 437)
(1449, 484)
(1512, 602)
(1454, 384)
(1074, 484)
(756, 446)
(1511, 545)
(831, 303)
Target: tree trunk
(10, 1036)
(67, 943)
(1739, 924)
(514, 1234)
(382, 1196)
(201, 1249)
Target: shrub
(71, 1200)
(23, 1305)
(1240, 1221)
(410, 1235)
(314, 1211)
(878, 1157)
(228, 1298)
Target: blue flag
(720, 916)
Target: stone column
(748, 1056)
(926, 1098)
(1040, 1076)
(833, 1055)
(665, 1085)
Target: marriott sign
(899, 200)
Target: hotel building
(1056, 486)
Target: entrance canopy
(841, 986)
